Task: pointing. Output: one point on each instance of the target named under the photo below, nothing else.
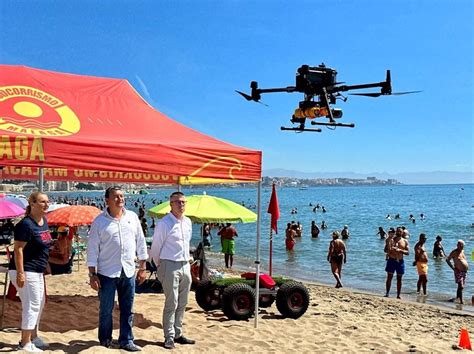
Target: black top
(38, 241)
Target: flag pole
(274, 210)
(257, 260)
(271, 252)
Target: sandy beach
(336, 320)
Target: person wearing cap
(438, 250)
(395, 247)
(421, 263)
(390, 235)
(345, 232)
(406, 233)
(115, 240)
(337, 256)
(460, 267)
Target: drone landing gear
(334, 124)
(301, 129)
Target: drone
(321, 90)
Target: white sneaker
(39, 343)
(29, 348)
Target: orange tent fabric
(100, 129)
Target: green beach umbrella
(208, 209)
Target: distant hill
(435, 177)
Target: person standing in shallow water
(228, 234)
(460, 268)
(421, 263)
(337, 256)
(345, 232)
(438, 250)
(382, 233)
(314, 229)
(395, 247)
(290, 237)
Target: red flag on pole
(274, 210)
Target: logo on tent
(27, 110)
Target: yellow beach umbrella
(208, 209)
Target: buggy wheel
(208, 295)
(292, 299)
(238, 301)
(265, 300)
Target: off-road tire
(238, 301)
(208, 295)
(292, 299)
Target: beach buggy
(236, 296)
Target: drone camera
(336, 113)
(297, 120)
(313, 78)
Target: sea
(447, 209)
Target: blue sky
(187, 57)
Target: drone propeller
(378, 94)
(244, 95)
(249, 98)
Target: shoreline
(467, 308)
(336, 320)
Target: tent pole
(40, 178)
(257, 260)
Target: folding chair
(4, 269)
(150, 285)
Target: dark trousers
(125, 288)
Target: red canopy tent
(100, 129)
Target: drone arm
(385, 85)
(281, 89)
(358, 87)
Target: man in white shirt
(115, 240)
(170, 251)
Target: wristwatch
(92, 274)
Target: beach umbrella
(21, 201)
(73, 215)
(9, 209)
(208, 209)
(55, 206)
